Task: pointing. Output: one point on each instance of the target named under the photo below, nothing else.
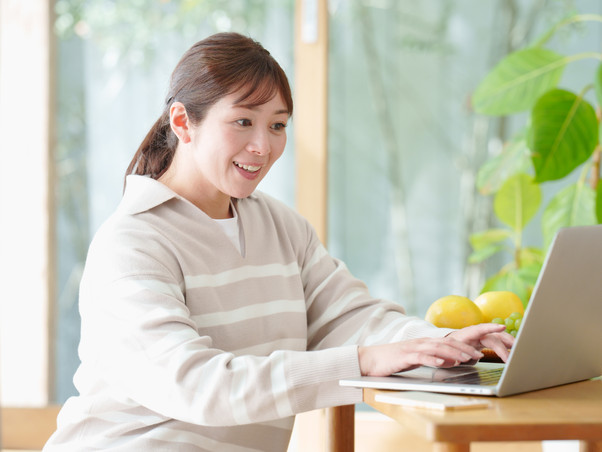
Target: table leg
(590, 446)
(341, 428)
(452, 447)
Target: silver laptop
(560, 338)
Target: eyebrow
(255, 107)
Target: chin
(241, 194)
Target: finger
(475, 333)
(500, 343)
(425, 359)
(484, 329)
(506, 339)
(501, 351)
(450, 350)
(466, 347)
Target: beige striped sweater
(186, 345)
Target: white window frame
(26, 202)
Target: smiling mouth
(249, 168)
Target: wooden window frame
(311, 151)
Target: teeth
(249, 168)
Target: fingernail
(466, 356)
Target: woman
(211, 314)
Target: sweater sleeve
(140, 346)
(341, 310)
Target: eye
(244, 122)
(279, 126)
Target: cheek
(278, 147)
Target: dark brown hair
(219, 65)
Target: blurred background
(404, 143)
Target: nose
(259, 142)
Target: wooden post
(341, 428)
(311, 112)
(311, 148)
(28, 428)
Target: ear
(179, 121)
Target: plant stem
(517, 262)
(595, 171)
(518, 243)
(577, 18)
(583, 55)
(583, 175)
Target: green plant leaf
(564, 134)
(517, 201)
(530, 256)
(574, 205)
(480, 240)
(528, 276)
(510, 280)
(515, 158)
(518, 80)
(484, 253)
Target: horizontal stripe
(334, 310)
(238, 390)
(387, 331)
(172, 438)
(265, 348)
(241, 274)
(319, 253)
(252, 311)
(279, 386)
(131, 286)
(377, 338)
(181, 338)
(132, 418)
(311, 297)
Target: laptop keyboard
(477, 377)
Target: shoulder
(131, 244)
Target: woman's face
(231, 150)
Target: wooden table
(570, 412)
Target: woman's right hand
(448, 351)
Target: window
(404, 143)
(111, 70)
(114, 62)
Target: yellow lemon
(498, 304)
(454, 311)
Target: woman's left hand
(486, 335)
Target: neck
(217, 212)
(217, 206)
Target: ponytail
(156, 151)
